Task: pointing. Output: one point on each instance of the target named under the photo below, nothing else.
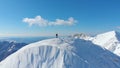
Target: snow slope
(109, 40)
(61, 53)
(9, 47)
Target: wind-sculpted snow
(61, 53)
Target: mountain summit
(59, 53)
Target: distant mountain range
(9, 47)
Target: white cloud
(38, 20)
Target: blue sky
(89, 16)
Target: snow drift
(61, 53)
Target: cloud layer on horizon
(38, 20)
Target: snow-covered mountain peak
(109, 34)
(59, 53)
(81, 36)
(110, 40)
(112, 33)
(105, 37)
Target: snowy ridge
(109, 40)
(60, 53)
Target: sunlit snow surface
(109, 40)
(61, 53)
